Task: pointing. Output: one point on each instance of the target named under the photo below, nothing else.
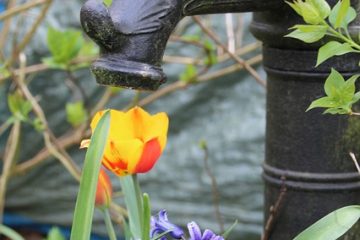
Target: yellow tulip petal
(120, 156)
(95, 120)
(139, 119)
(121, 126)
(157, 127)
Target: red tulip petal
(150, 154)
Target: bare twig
(230, 32)
(47, 133)
(28, 36)
(352, 155)
(236, 58)
(274, 211)
(6, 26)
(9, 159)
(21, 8)
(179, 85)
(214, 187)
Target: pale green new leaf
(339, 110)
(311, 28)
(324, 102)
(333, 225)
(107, 2)
(348, 90)
(331, 49)
(333, 82)
(308, 37)
(334, 16)
(295, 7)
(64, 45)
(309, 13)
(19, 107)
(76, 113)
(344, 7)
(356, 97)
(189, 74)
(322, 7)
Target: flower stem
(109, 226)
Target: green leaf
(89, 49)
(229, 230)
(10, 233)
(356, 97)
(331, 49)
(19, 107)
(308, 37)
(76, 113)
(132, 200)
(157, 237)
(311, 28)
(333, 225)
(38, 125)
(107, 3)
(309, 12)
(55, 234)
(324, 102)
(189, 74)
(146, 218)
(64, 45)
(348, 90)
(322, 7)
(295, 7)
(338, 111)
(84, 208)
(51, 63)
(333, 82)
(344, 7)
(334, 17)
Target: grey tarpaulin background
(228, 113)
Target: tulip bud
(103, 191)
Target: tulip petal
(85, 143)
(104, 190)
(150, 155)
(147, 127)
(121, 125)
(120, 155)
(157, 127)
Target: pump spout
(132, 35)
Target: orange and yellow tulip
(104, 190)
(135, 142)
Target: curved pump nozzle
(132, 35)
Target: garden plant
(130, 141)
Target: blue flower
(195, 233)
(162, 224)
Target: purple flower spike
(195, 233)
(162, 224)
(208, 235)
